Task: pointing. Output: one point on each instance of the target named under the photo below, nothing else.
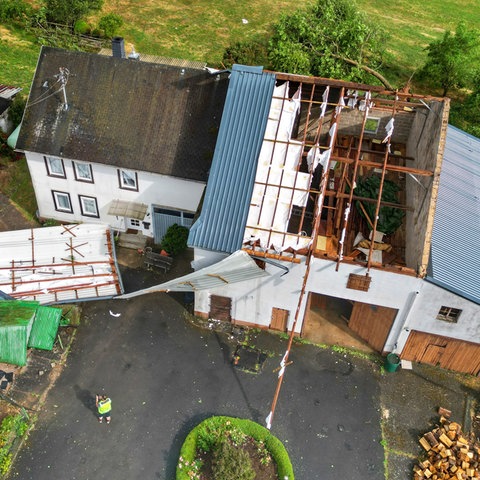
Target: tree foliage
(67, 12)
(12, 10)
(466, 114)
(110, 24)
(331, 38)
(246, 53)
(451, 61)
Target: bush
(15, 112)
(175, 239)
(231, 463)
(110, 24)
(246, 53)
(11, 10)
(12, 427)
(81, 27)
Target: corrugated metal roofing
(135, 115)
(238, 267)
(7, 91)
(45, 327)
(59, 264)
(221, 224)
(16, 320)
(454, 263)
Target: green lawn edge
(248, 427)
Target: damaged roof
(225, 208)
(282, 183)
(135, 115)
(59, 264)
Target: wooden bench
(152, 259)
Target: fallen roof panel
(59, 264)
(238, 267)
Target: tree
(253, 52)
(451, 61)
(329, 39)
(466, 114)
(110, 24)
(67, 12)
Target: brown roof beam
(374, 152)
(389, 167)
(370, 200)
(328, 81)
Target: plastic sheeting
(278, 183)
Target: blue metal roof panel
(454, 263)
(221, 224)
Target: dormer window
(128, 180)
(83, 172)
(55, 167)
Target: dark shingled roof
(131, 114)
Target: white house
(117, 141)
(336, 191)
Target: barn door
(372, 323)
(279, 319)
(220, 308)
(433, 354)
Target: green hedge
(259, 433)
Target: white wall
(426, 307)
(253, 301)
(154, 189)
(417, 301)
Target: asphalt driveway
(165, 375)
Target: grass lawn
(201, 29)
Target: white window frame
(52, 164)
(57, 199)
(123, 175)
(86, 204)
(79, 175)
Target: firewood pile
(451, 454)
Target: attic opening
(347, 170)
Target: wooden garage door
(372, 323)
(279, 319)
(220, 308)
(444, 352)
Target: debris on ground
(451, 453)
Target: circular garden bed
(227, 448)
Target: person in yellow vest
(104, 406)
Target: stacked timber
(451, 454)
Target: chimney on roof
(118, 47)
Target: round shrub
(110, 24)
(81, 27)
(175, 239)
(205, 437)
